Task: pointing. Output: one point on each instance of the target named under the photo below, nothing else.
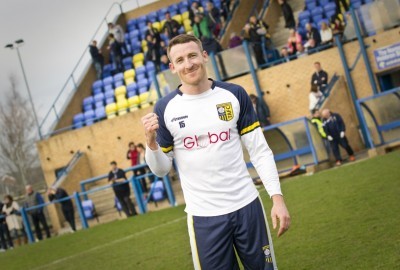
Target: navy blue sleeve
(341, 125)
(164, 137)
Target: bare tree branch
(18, 155)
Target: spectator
(319, 77)
(234, 41)
(287, 12)
(121, 189)
(66, 206)
(316, 120)
(326, 34)
(213, 19)
(335, 132)
(153, 51)
(225, 9)
(98, 59)
(255, 30)
(194, 10)
(301, 52)
(5, 237)
(285, 57)
(153, 32)
(293, 40)
(13, 219)
(116, 52)
(132, 154)
(171, 26)
(164, 62)
(211, 45)
(200, 27)
(337, 24)
(314, 97)
(33, 198)
(261, 109)
(313, 37)
(119, 36)
(142, 171)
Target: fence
(380, 114)
(295, 142)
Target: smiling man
(202, 124)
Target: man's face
(317, 67)
(188, 62)
(29, 190)
(113, 167)
(253, 19)
(308, 27)
(167, 16)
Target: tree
(18, 154)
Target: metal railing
(82, 66)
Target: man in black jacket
(335, 132)
(261, 109)
(287, 12)
(313, 37)
(67, 207)
(98, 59)
(121, 189)
(319, 77)
(171, 26)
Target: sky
(56, 33)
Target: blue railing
(69, 166)
(380, 128)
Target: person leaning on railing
(66, 205)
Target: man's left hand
(280, 212)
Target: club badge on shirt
(225, 111)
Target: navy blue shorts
(215, 241)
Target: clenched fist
(150, 124)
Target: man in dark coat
(67, 207)
(171, 26)
(121, 189)
(287, 12)
(98, 59)
(319, 77)
(335, 132)
(261, 109)
(313, 37)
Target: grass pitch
(344, 218)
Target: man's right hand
(150, 124)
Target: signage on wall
(387, 57)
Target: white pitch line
(109, 244)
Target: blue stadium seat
(140, 76)
(99, 104)
(330, 13)
(136, 46)
(107, 70)
(356, 4)
(109, 96)
(317, 18)
(157, 191)
(329, 7)
(142, 90)
(173, 8)
(131, 25)
(97, 84)
(133, 34)
(88, 209)
(183, 4)
(108, 81)
(118, 83)
(140, 70)
(108, 88)
(152, 16)
(89, 117)
(143, 84)
(141, 19)
(127, 63)
(132, 87)
(100, 113)
(317, 11)
(88, 103)
(99, 97)
(131, 94)
(322, 3)
(78, 120)
(304, 15)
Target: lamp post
(18, 43)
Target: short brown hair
(182, 39)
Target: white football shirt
(204, 134)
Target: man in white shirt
(202, 125)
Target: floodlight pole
(16, 46)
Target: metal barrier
(293, 142)
(380, 114)
(134, 181)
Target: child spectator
(314, 97)
(293, 40)
(132, 154)
(200, 27)
(13, 218)
(234, 41)
(313, 37)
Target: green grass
(344, 218)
